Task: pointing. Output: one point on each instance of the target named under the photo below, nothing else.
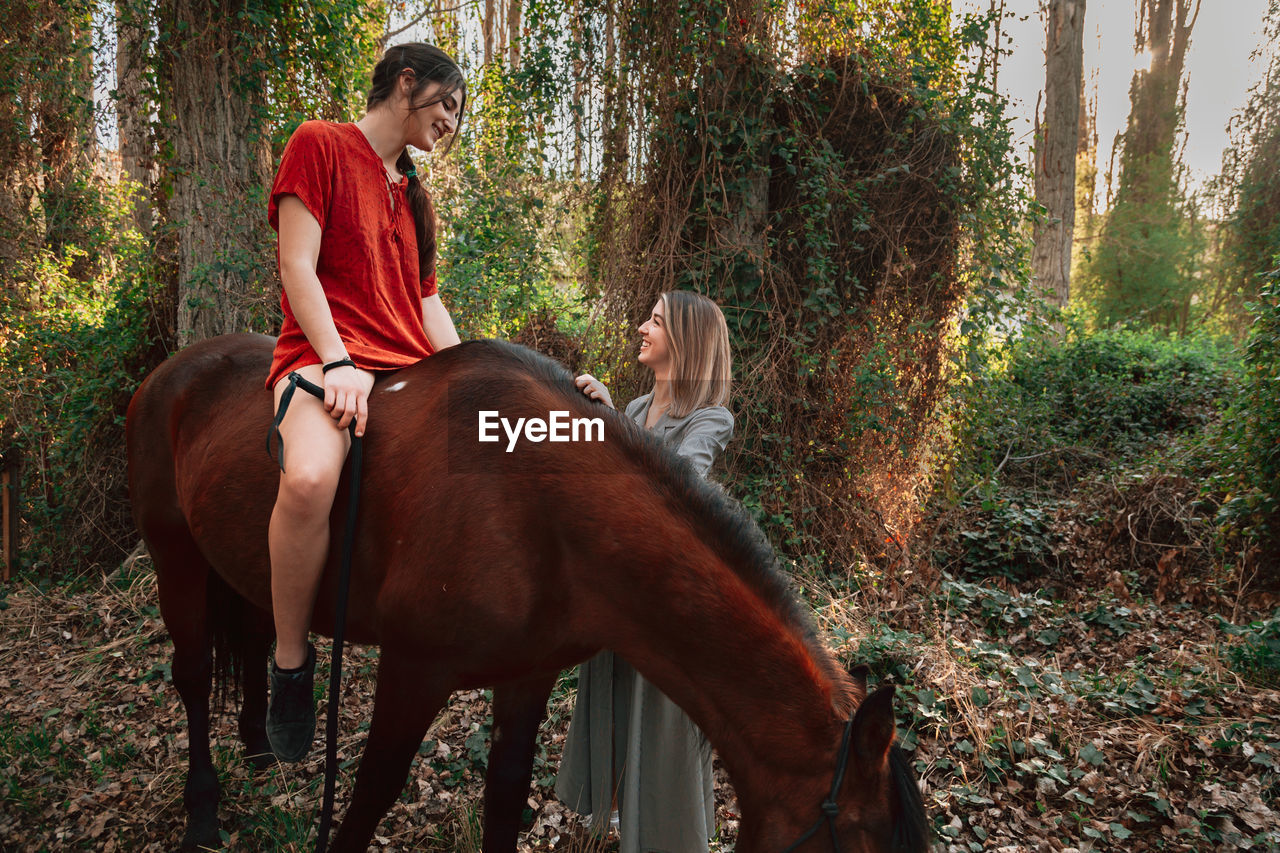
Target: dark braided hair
(429, 64)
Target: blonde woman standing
(630, 747)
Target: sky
(1220, 69)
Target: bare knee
(306, 490)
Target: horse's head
(876, 806)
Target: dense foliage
(840, 196)
(837, 179)
(1090, 395)
(1248, 193)
(1144, 268)
(68, 376)
(1249, 443)
(593, 162)
(1055, 423)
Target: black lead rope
(340, 608)
(831, 811)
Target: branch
(393, 33)
(972, 488)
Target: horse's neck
(744, 673)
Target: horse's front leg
(518, 709)
(405, 702)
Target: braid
(424, 217)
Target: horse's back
(197, 377)
(190, 397)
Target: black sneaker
(291, 716)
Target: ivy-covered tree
(1249, 192)
(1141, 269)
(48, 143)
(1057, 138)
(236, 77)
(219, 158)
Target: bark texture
(21, 216)
(514, 11)
(219, 166)
(1164, 32)
(1057, 141)
(489, 24)
(133, 108)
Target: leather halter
(830, 809)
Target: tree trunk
(1164, 33)
(739, 88)
(514, 10)
(219, 165)
(1057, 140)
(1086, 176)
(66, 130)
(489, 24)
(133, 109)
(617, 126)
(1141, 261)
(577, 105)
(21, 216)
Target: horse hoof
(201, 836)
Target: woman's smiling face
(428, 124)
(654, 352)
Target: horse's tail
(235, 625)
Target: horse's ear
(859, 672)
(874, 728)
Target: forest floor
(1066, 681)
(1099, 722)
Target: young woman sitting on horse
(628, 744)
(357, 257)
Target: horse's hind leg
(182, 577)
(253, 687)
(405, 702)
(518, 709)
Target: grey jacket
(699, 436)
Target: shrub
(1248, 446)
(1256, 656)
(1061, 409)
(68, 374)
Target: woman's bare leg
(298, 536)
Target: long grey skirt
(624, 728)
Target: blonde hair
(701, 365)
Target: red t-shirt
(368, 262)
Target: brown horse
(480, 564)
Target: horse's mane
(911, 829)
(724, 524)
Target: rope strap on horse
(340, 608)
(830, 810)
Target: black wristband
(345, 362)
